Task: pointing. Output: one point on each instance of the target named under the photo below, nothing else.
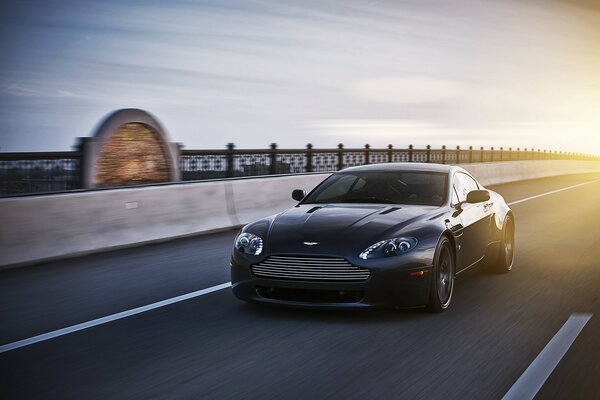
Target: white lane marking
(551, 192)
(528, 384)
(109, 318)
(124, 314)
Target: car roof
(402, 166)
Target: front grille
(311, 296)
(310, 269)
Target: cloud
(361, 124)
(409, 89)
(503, 72)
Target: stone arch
(129, 147)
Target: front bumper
(397, 286)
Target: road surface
(213, 346)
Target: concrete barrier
(504, 172)
(36, 228)
(44, 227)
(256, 198)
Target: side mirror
(298, 194)
(478, 196)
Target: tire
(442, 279)
(506, 253)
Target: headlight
(249, 243)
(389, 247)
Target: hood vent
(389, 210)
(312, 210)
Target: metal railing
(22, 173)
(231, 162)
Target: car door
(475, 220)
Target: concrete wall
(37, 228)
(504, 172)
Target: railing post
(481, 154)
(428, 154)
(443, 154)
(492, 154)
(518, 153)
(180, 147)
(538, 154)
(545, 155)
(501, 153)
(458, 154)
(230, 159)
(367, 154)
(410, 153)
(273, 169)
(526, 153)
(510, 154)
(390, 154)
(470, 154)
(80, 147)
(340, 164)
(309, 153)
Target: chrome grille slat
(323, 271)
(332, 259)
(283, 265)
(309, 278)
(310, 269)
(276, 263)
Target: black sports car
(377, 235)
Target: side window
(463, 184)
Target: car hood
(337, 228)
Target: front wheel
(442, 280)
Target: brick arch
(130, 147)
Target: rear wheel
(506, 253)
(442, 280)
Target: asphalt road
(215, 346)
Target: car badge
(311, 243)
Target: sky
(511, 73)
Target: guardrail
(232, 162)
(40, 172)
(22, 173)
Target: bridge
(159, 321)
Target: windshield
(388, 187)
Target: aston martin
(379, 235)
